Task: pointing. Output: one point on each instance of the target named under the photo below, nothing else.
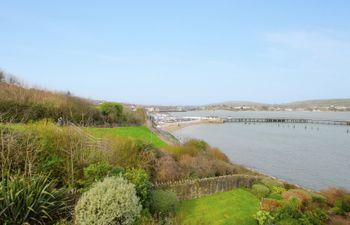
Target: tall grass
(64, 152)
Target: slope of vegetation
(19, 104)
(53, 174)
(74, 161)
(140, 133)
(234, 207)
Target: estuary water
(311, 155)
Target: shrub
(343, 204)
(303, 196)
(269, 204)
(218, 154)
(192, 147)
(263, 217)
(98, 171)
(275, 196)
(270, 183)
(198, 145)
(163, 202)
(333, 194)
(125, 152)
(179, 150)
(140, 178)
(318, 198)
(289, 221)
(260, 190)
(19, 151)
(112, 112)
(316, 216)
(339, 220)
(278, 189)
(112, 201)
(196, 166)
(31, 200)
(166, 169)
(146, 218)
(289, 211)
(19, 104)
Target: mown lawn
(235, 207)
(142, 133)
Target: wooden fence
(195, 188)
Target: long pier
(283, 120)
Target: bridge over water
(283, 120)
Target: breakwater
(284, 120)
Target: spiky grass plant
(31, 200)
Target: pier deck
(283, 120)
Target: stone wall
(195, 188)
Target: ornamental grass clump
(301, 195)
(33, 200)
(110, 202)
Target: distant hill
(239, 103)
(319, 104)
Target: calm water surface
(314, 156)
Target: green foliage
(318, 198)
(288, 211)
(110, 202)
(145, 218)
(31, 200)
(260, 190)
(112, 112)
(137, 117)
(198, 145)
(63, 152)
(263, 217)
(275, 196)
(192, 147)
(270, 183)
(141, 180)
(98, 171)
(289, 221)
(314, 217)
(278, 189)
(19, 104)
(163, 202)
(342, 205)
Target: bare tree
(2, 76)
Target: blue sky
(180, 52)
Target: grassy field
(235, 207)
(141, 132)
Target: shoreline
(171, 127)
